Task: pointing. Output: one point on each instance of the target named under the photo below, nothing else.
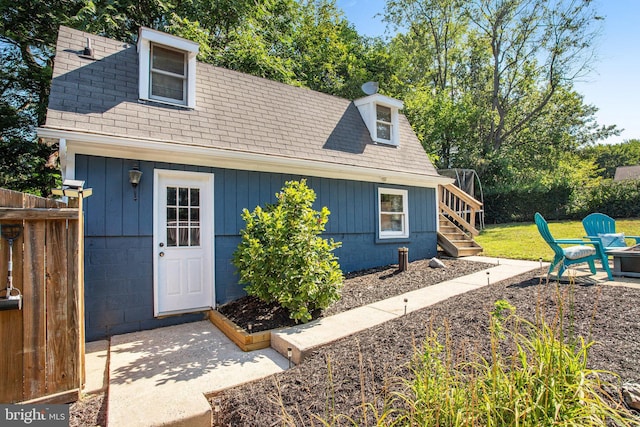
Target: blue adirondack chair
(583, 251)
(602, 228)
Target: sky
(614, 84)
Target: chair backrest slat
(598, 223)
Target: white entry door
(183, 242)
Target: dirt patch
(368, 366)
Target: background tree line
(487, 84)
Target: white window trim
(148, 36)
(405, 207)
(367, 108)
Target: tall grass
(533, 374)
(543, 380)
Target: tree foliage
(283, 259)
(28, 32)
(487, 84)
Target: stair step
(462, 252)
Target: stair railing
(460, 207)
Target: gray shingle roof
(234, 111)
(627, 172)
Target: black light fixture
(134, 178)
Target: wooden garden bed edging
(243, 339)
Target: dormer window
(384, 126)
(380, 114)
(167, 68)
(168, 74)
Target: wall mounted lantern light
(134, 179)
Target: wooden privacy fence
(42, 350)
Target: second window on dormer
(383, 122)
(168, 74)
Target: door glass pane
(184, 236)
(171, 196)
(183, 216)
(171, 217)
(171, 236)
(195, 236)
(183, 194)
(195, 215)
(195, 197)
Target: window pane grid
(183, 216)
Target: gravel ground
(337, 378)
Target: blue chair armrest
(576, 241)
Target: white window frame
(404, 233)
(184, 76)
(146, 38)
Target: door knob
(161, 254)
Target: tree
(610, 156)
(27, 39)
(536, 46)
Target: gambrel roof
(240, 121)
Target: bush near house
(283, 259)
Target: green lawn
(522, 240)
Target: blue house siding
(119, 234)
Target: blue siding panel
(114, 197)
(119, 234)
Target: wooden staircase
(457, 221)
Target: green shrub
(618, 199)
(519, 203)
(282, 258)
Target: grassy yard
(522, 240)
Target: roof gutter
(161, 151)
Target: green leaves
(283, 259)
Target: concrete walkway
(160, 377)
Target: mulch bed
(368, 366)
(360, 288)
